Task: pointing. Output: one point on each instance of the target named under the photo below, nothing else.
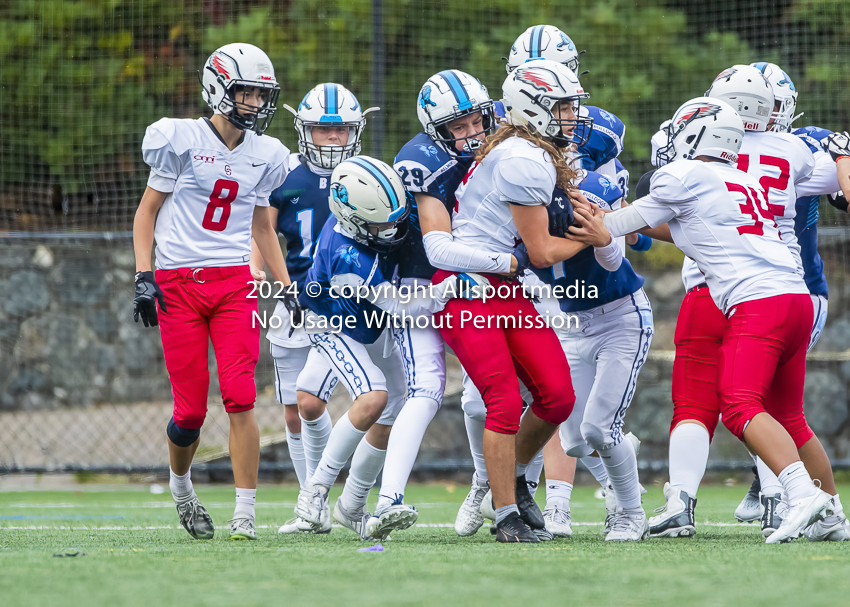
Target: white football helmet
(658, 141)
(370, 202)
(531, 92)
(231, 69)
(329, 104)
(704, 126)
(748, 92)
(543, 42)
(447, 96)
(785, 94)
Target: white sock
(621, 464)
(797, 482)
(532, 474)
(342, 442)
(181, 486)
(405, 440)
(366, 464)
(296, 454)
(770, 485)
(245, 500)
(558, 491)
(475, 435)
(314, 438)
(688, 453)
(596, 468)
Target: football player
(719, 216)
(210, 184)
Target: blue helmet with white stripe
(329, 105)
(543, 42)
(447, 96)
(370, 202)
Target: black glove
(838, 201)
(561, 216)
(290, 302)
(838, 145)
(144, 303)
(522, 260)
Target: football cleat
(487, 509)
(528, 508)
(774, 509)
(512, 529)
(356, 521)
(834, 528)
(800, 515)
(397, 515)
(628, 527)
(558, 520)
(242, 528)
(469, 518)
(750, 508)
(299, 525)
(313, 507)
(634, 440)
(677, 515)
(194, 518)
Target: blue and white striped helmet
(543, 42)
(447, 96)
(370, 202)
(332, 105)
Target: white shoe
(397, 515)
(628, 527)
(677, 515)
(487, 510)
(242, 528)
(835, 528)
(469, 518)
(805, 512)
(356, 521)
(558, 520)
(751, 507)
(299, 525)
(313, 507)
(610, 507)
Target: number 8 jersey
(206, 218)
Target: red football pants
(204, 304)
(495, 355)
(699, 335)
(762, 365)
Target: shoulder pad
(606, 139)
(600, 189)
(813, 136)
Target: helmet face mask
(470, 143)
(231, 72)
(785, 93)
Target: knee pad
(596, 437)
(473, 408)
(182, 437)
(573, 445)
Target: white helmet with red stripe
(531, 93)
(703, 127)
(233, 69)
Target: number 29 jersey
(207, 216)
(718, 217)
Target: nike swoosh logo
(257, 165)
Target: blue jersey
(606, 139)
(302, 205)
(426, 168)
(806, 221)
(622, 177)
(338, 255)
(583, 267)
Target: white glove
(838, 145)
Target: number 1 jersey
(212, 191)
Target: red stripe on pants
(495, 356)
(217, 309)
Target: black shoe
(772, 516)
(528, 508)
(512, 530)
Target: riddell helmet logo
(219, 66)
(729, 156)
(698, 112)
(535, 78)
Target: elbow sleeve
(610, 257)
(446, 254)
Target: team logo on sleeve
(606, 184)
(607, 116)
(349, 255)
(340, 194)
(429, 150)
(536, 78)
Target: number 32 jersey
(718, 217)
(206, 218)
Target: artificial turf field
(137, 554)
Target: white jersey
(212, 191)
(514, 172)
(718, 217)
(786, 170)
